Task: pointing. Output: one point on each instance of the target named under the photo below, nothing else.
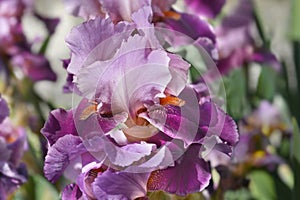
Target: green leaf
(266, 86)
(296, 141)
(241, 194)
(194, 73)
(262, 186)
(37, 188)
(295, 157)
(235, 86)
(295, 18)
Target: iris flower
(139, 126)
(12, 146)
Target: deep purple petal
(59, 124)
(188, 122)
(208, 8)
(4, 110)
(264, 57)
(35, 66)
(60, 155)
(192, 26)
(229, 132)
(120, 185)
(241, 16)
(190, 174)
(50, 23)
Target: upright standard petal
(104, 38)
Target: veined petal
(59, 124)
(120, 185)
(60, 155)
(104, 38)
(190, 174)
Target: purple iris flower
(12, 146)
(236, 42)
(138, 120)
(256, 131)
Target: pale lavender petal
(208, 8)
(60, 154)
(59, 124)
(122, 10)
(190, 174)
(179, 71)
(104, 38)
(127, 155)
(88, 9)
(4, 111)
(127, 75)
(120, 185)
(241, 149)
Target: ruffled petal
(104, 38)
(190, 174)
(59, 124)
(59, 156)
